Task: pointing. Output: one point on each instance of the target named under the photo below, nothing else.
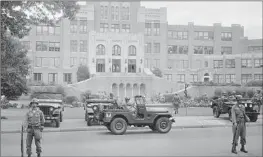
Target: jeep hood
(49, 101)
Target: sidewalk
(68, 125)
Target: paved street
(179, 142)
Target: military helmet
(127, 98)
(238, 97)
(34, 100)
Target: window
(73, 46)
(83, 61)
(83, 47)
(198, 50)
(218, 78)
(54, 46)
(125, 13)
(83, 25)
(156, 29)
(255, 48)
(197, 64)
(230, 63)
(132, 50)
(26, 45)
(183, 49)
(246, 63)
(41, 45)
(184, 64)
(38, 77)
(116, 65)
(172, 49)
(48, 62)
(104, 27)
(52, 78)
(178, 35)
(206, 64)
(181, 78)
(148, 29)
(68, 78)
(42, 30)
(169, 77)
(148, 47)
(226, 50)
(230, 78)
(114, 13)
(73, 61)
(204, 35)
(245, 78)
(218, 63)
(194, 78)
(73, 26)
(208, 50)
(258, 77)
(156, 47)
(126, 28)
(104, 12)
(146, 63)
(38, 62)
(131, 65)
(116, 50)
(226, 36)
(57, 62)
(115, 28)
(100, 65)
(100, 50)
(258, 63)
(54, 30)
(170, 64)
(157, 63)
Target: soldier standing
(176, 102)
(239, 119)
(34, 125)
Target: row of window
(116, 66)
(116, 50)
(53, 78)
(117, 13)
(47, 62)
(255, 48)
(217, 78)
(245, 63)
(83, 46)
(82, 61)
(155, 63)
(175, 49)
(47, 46)
(47, 30)
(104, 27)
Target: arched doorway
(114, 89)
(128, 90)
(135, 90)
(206, 77)
(121, 91)
(142, 89)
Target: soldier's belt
(33, 126)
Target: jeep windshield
(54, 104)
(56, 96)
(140, 100)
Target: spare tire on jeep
(163, 125)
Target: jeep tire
(57, 123)
(89, 121)
(253, 117)
(216, 112)
(108, 127)
(163, 125)
(61, 117)
(118, 126)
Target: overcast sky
(248, 14)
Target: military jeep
(93, 109)
(117, 119)
(223, 106)
(51, 105)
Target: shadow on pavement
(128, 132)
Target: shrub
(250, 93)
(218, 92)
(70, 99)
(241, 91)
(254, 83)
(57, 89)
(86, 95)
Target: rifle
(22, 141)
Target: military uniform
(176, 103)
(239, 126)
(34, 124)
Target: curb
(100, 128)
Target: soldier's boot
(243, 149)
(234, 150)
(29, 155)
(38, 155)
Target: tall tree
(17, 17)
(83, 73)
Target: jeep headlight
(51, 109)
(107, 115)
(250, 105)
